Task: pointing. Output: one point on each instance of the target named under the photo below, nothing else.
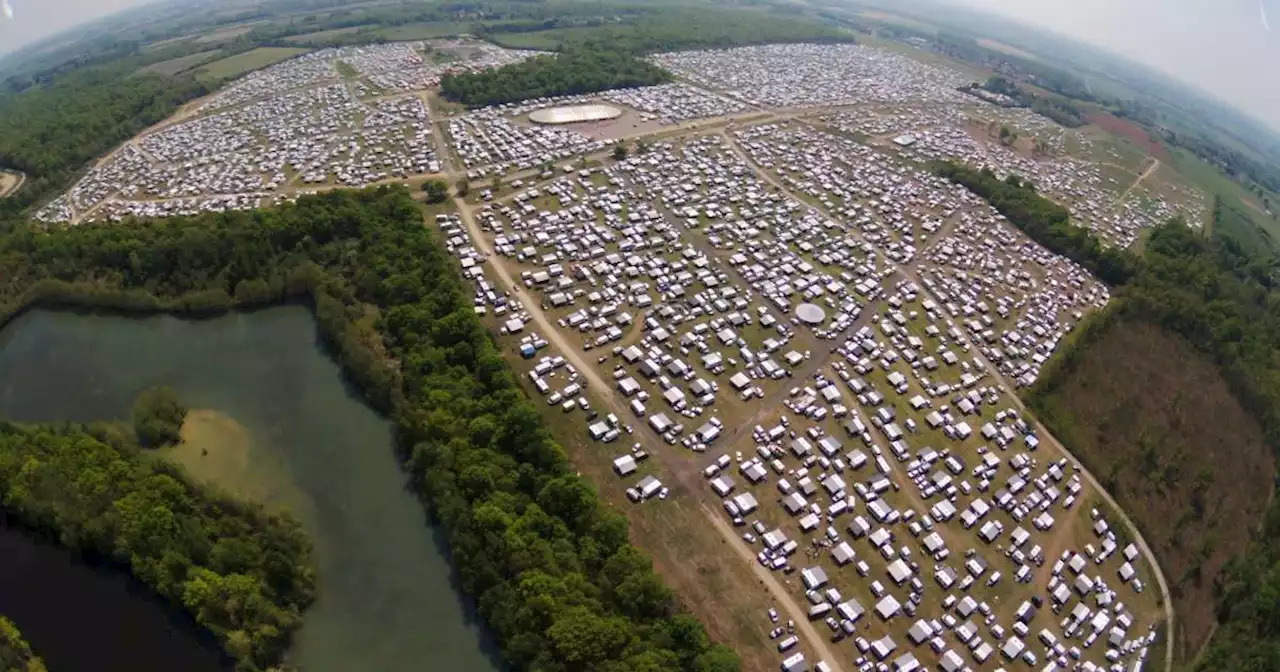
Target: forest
(577, 71)
(241, 573)
(550, 567)
(1043, 220)
(15, 652)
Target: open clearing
(1157, 424)
(422, 31)
(897, 20)
(181, 64)
(247, 62)
(9, 182)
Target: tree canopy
(577, 71)
(15, 653)
(158, 416)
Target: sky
(33, 20)
(1224, 47)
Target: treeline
(549, 565)
(15, 652)
(1043, 221)
(581, 70)
(243, 574)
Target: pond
(272, 421)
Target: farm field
(422, 31)
(1172, 444)
(181, 64)
(323, 35)
(246, 62)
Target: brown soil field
(1128, 129)
(1154, 420)
(9, 182)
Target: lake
(273, 421)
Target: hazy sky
(1221, 46)
(36, 19)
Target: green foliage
(578, 71)
(548, 564)
(1044, 221)
(437, 191)
(619, 152)
(158, 417)
(15, 653)
(462, 187)
(242, 573)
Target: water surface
(294, 436)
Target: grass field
(1157, 424)
(174, 66)
(247, 62)
(542, 39)
(322, 36)
(422, 31)
(1214, 181)
(227, 33)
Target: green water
(385, 601)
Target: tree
(619, 152)
(437, 191)
(158, 417)
(462, 187)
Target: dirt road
(1155, 165)
(1040, 430)
(686, 474)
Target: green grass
(545, 40)
(1215, 182)
(321, 36)
(346, 70)
(247, 62)
(422, 31)
(174, 66)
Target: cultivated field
(181, 64)
(247, 62)
(1156, 423)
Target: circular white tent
(574, 114)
